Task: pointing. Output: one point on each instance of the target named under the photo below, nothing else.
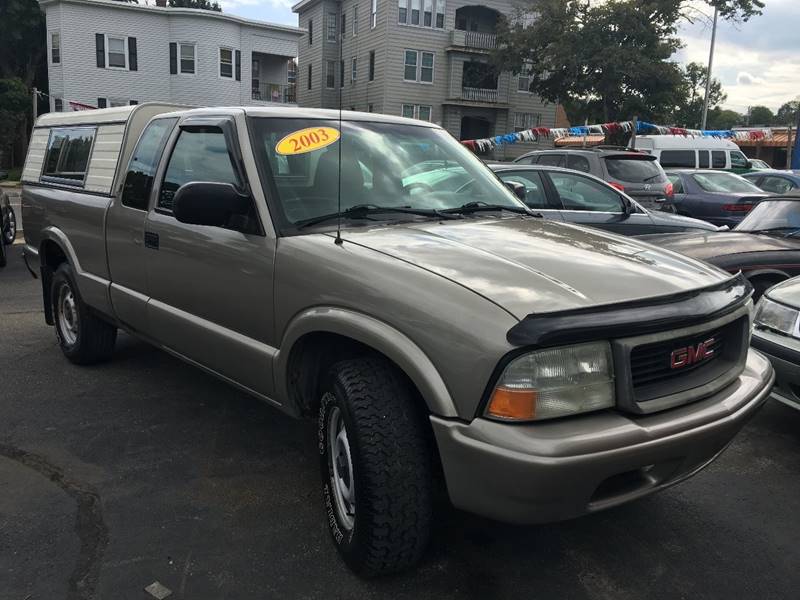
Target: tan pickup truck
(371, 274)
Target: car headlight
(777, 317)
(554, 382)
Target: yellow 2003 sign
(307, 140)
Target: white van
(682, 152)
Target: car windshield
(635, 169)
(724, 182)
(772, 215)
(383, 165)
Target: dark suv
(636, 173)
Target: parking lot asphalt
(145, 469)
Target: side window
(778, 185)
(534, 190)
(199, 155)
(67, 157)
(143, 164)
(677, 183)
(581, 193)
(677, 158)
(718, 159)
(738, 160)
(527, 160)
(551, 160)
(579, 163)
(702, 159)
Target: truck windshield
(382, 164)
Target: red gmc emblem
(683, 357)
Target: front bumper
(784, 354)
(550, 471)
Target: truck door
(211, 287)
(125, 226)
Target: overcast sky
(758, 62)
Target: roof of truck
(116, 114)
(683, 142)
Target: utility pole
(35, 106)
(710, 65)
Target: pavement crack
(89, 525)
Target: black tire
(9, 227)
(84, 338)
(390, 467)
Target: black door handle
(151, 240)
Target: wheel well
(51, 255)
(763, 281)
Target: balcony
(473, 40)
(478, 94)
(274, 92)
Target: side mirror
(208, 203)
(628, 206)
(749, 164)
(517, 188)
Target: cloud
(744, 78)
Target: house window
(67, 155)
(331, 27)
(440, 14)
(402, 11)
(370, 108)
(372, 65)
(523, 83)
(58, 104)
(226, 63)
(424, 113)
(310, 32)
(116, 52)
(353, 69)
(309, 76)
(427, 15)
(341, 73)
(415, 12)
(523, 121)
(408, 111)
(344, 24)
(55, 48)
(117, 102)
(186, 53)
(291, 71)
(418, 66)
(417, 111)
(374, 14)
(355, 20)
(330, 74)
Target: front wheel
(84, 338)
(10, 227)
(375, 462)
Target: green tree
(787, 114)
(689, 112)
(719, 118)
(760, 115)
(14, 104)
(204, 4)
(22, 47)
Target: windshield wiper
(473, 207)
(362, 211)
(770, 230)
(646, 179)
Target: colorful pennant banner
(642, 127)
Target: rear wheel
(10, 227)
(376, 467)
(84, 338)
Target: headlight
(555, 382)
(778, 317)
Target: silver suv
(537, 369)
(634, 172)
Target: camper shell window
(67, 157)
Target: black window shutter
(133, 102)
(238, 65)
(133, 63)
(101, 103)
(100, 47)
(173, 58)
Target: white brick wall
(79, 79)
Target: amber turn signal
(514, 404)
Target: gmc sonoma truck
(541, 370)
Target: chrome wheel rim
(11, 228)
(341, 469)
(67, 315)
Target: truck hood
(709, 245)
(537, 266)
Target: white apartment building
(104, 53)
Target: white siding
(103, 163)
(35, 158)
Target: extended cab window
(142, 168)
(67, 157)
(581, 193)
(199, 155)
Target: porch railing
(477, 39)
(478, 94)
(274, 92)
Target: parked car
(542, 369)
(636, 173)
(777, 334)
(688, 152)
(714, 196)
(8, 220)
(759, 165)
(765, 246)
(774, 181)
(576, 197)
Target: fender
(374, 333)
(93, 290)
